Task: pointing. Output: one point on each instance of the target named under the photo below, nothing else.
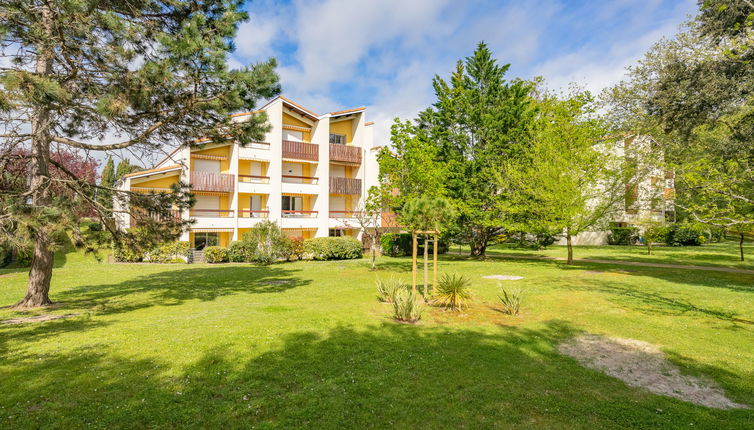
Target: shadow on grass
(389, 376)
(173, 287)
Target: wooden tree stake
(413, 263)
(434, 262)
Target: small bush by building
(623, 236)
(332, 248)
(216, 254)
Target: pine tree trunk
(40, 273)
(741, 246)
(570, 247)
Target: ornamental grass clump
(453, 292)
(406, 307)
(511, 300)
(387, 288)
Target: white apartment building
(309, 175)
(649, 197)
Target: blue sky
(335, 54)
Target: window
(336, 232)
(295, 136)
(203, 240)
(292, 203)
(337, 139)
(207, 166)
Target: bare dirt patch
(503, 277)
(641, 364)
(38, 318)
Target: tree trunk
(649, 246)
(374, 256)
(570, 247)
(40, 273)
(478, 243)
(741, 246)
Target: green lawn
(306, 345)
(724, 254)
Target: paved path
(623, 263)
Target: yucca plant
(511, 300)
(406, 307)
(453, 291)
(386, 289)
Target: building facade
(309, 175)
(649, 196)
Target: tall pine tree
(150, 72)
(104, 196)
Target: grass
(723, 254)
(307, 345)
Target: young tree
(151, 73)
(124, 168)
(371, 220)
(569, 180)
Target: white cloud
(255, 37)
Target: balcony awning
(210, 193)
(212, 230)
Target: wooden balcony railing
(246, 213)
(139, 216)
(300, 150)
(340, 185)
(300, 179)
(254, 179)
(343, 214)
(299, 214)
(212, 213)
(345, 154)
(210, 181)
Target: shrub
(387, 289)
(332, 248)
(658, 234)
(406, 307)
(216, 254)
(167, 252)
(297, 247)
(265, 243)
(237, 252)
(623, 236)
(511, 301)
(125, 254)
(687, 235)
(453, 291)
(400, 244)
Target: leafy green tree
(693, 92)
(427, 214)
(569, 180)
(150, 72)
(455, 148)
(107, 181)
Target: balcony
(246, 213)
(254, 179)
(345, 185)
(345, 154)
(210, 181)
(212, 213)
(343, 214)
(300, 150)
(293, 179)
(299, 214)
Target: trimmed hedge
(169, 252)
(216, 254)
(400, 244)
(332, 248)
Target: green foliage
(107, 180)
(238, 251)
(407, 306)
(686, 234)
(127, 254)
(510, 300)
(388, 288)
(658, 234)
(216, 254)
(453, 291)
(400, 244)
(168, 252)
(264, 243)
(332, 248)
(623, 235)
(426, 214)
